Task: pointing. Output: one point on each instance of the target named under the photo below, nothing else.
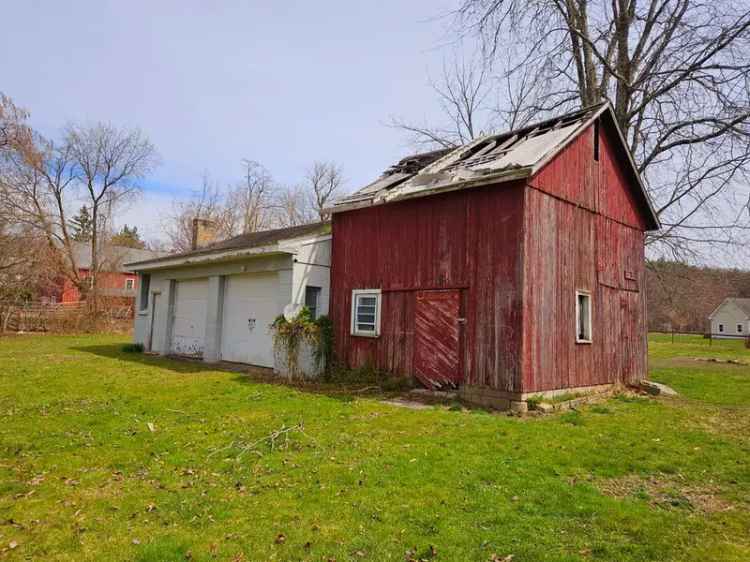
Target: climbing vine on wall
(290, 335)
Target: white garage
(250, 307)
(218, 302)
(189, 322)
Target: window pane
(312, 294)
(365, 312)
(145, 286)
(584, 315)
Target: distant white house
(218, 302)
(731, 319)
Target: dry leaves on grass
(663, 491)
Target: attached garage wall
(224, 310)
(251, 303)
(164, 281)
(189, 324)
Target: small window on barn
(583, 317)
(366, 312)
(721, 328)
(739, 328)
(129, 284)
(312, 300)
(145, 287)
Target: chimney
(204, 233)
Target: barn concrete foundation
(517, 402)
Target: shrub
(288, 335)
(133, 348)
(367, 374)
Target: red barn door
(437, 339)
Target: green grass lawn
(119, 456)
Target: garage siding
(251, 303)
(189, 320)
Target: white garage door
(250, 306)
(189, 326)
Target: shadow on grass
(177, 364)
(246, 374)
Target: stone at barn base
(656, 388)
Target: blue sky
(213, 83)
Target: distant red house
(114, 280)
(509, 267)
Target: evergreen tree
(82, 225)
(128, 237)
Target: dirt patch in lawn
(666, 492)
(728, 421)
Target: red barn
(509, 267)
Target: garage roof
(254, 243)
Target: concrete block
(519, 406)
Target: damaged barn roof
(490, 159)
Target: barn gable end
(606, 186)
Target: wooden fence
(706, 335)
(63, 317)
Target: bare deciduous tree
(256, 203)
(292, 207)
(209, 203)
(463, 92)
(324, 181)
(676, 74)
(35, 196)
(109, 163)
(38, 192)
(251, 199)
(15, 134)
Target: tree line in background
(255, 202)
(58, 194)
(680, 296)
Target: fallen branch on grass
(282, 434)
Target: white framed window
(129, 284)
(145, 286)
(583, 317)
(739, 328)
(366, 312)
(721, 328)
(312, 300)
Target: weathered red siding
(569, 248)
(602, 187)
(434, 243)
(517, 252)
